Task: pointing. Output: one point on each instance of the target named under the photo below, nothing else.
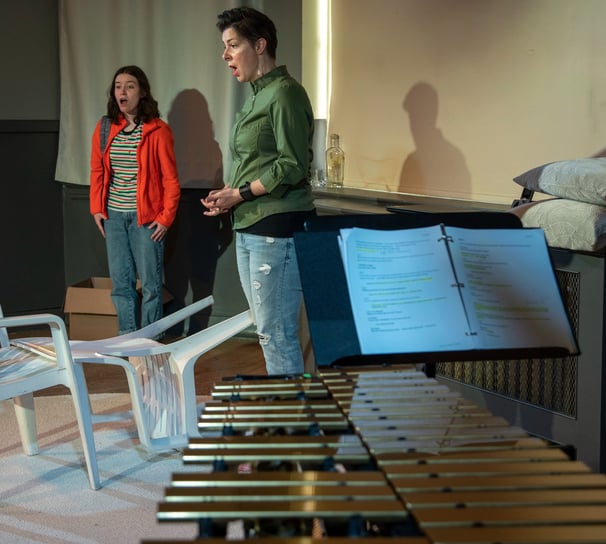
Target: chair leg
(26, 419)
(190, 403)
(85, 425)
(144, 405)
(162, 401)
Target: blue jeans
(270, 278)
(130, 253)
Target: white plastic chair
(169, 408)
(160, 376)
(23, 372)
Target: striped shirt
(123, 158)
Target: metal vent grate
(548, 383)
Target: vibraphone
(375, 455)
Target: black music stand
(331, 323)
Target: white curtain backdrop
(179, 47)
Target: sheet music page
(510, 289)
(402, 291)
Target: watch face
(246, 193)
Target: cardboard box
(90, 312)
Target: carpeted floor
(47, 499)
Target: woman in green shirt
(268, 193)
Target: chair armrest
(32, 319)
(201, 341)
(158, 327)
(57, 328)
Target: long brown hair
(148, 106)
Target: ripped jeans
(270, 279)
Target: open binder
(431, 292)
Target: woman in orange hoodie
(134, 195)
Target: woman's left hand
(159, 232)
(221, 200)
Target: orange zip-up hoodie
(158, 187)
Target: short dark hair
(148, 106)
(251, 25)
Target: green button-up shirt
(272, 141)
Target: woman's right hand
(99, 219)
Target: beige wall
(516, 83)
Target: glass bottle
(335, 163)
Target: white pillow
(581, 179)
(567, 223)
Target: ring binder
(332, 313)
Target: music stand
(331, 323)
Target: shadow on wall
(195, 242)
(435, 163)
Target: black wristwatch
(246, 193)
